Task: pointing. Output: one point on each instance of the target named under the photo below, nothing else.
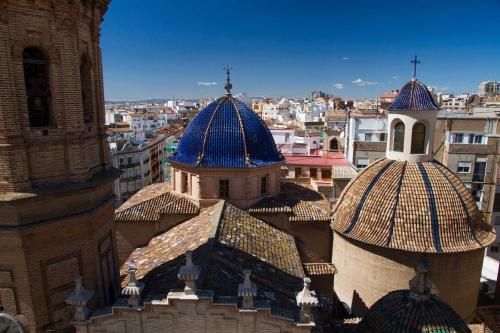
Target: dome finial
(228, 86)
(420, 286)
(415, 62)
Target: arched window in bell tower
(418, 139)
(86, 89)
(398, 143)
(37, 83)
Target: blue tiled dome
(399, 312)
(414, 96)
(227, 134)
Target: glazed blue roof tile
(414, 96)
(227, 134)
(400, 312)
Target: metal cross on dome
(415, 62)
(228, 86)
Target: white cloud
(207, 83)
(395, 77)
(345, 58)
(339, 86)
(361, 82)
(445, 88)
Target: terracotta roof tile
(152, 202)
(302, 203)
(413, 206)
(224, 241)
(490, 316)
(319, 268)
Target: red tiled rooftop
(328, 159)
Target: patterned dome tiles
(414, 96)
(227, 134)
(412, 206)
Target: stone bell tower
(56, 211)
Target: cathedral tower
(56, 211)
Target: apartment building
(366, 139)
(142, 163)
(468, 144)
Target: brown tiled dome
(412, 206)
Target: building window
(86, 89)
(263, 185)
(399, 137)
(418, 139)
(479, 170)
(185, 183)
(457, 138)
(361, 163)
(313, 173)
(298, 172)
(334, 144)
(463, 167)
(326, 173)
(368, 137)
(383, 137)
(224, 188)
(37, 83)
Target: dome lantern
(412, 117)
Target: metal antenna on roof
(415, 62)
(228, 86)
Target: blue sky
(352, 49)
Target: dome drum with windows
(404, 205)
(227, 152)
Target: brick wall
(48, 234)
(71, 149)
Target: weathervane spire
(228, 86)
(415, 62)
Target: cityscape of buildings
(236, 213)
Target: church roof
(399, 312)
(224, 241)
(414, 96)
(153, 201)
(301, 203)
(227, 134)
(412, 206)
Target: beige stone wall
(365, 273)
(70, 150)
(244, 184)
(183, 315)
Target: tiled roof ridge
(212, 239)
(203, 147)
(349, 185)
(141, 213)
(248, 160)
